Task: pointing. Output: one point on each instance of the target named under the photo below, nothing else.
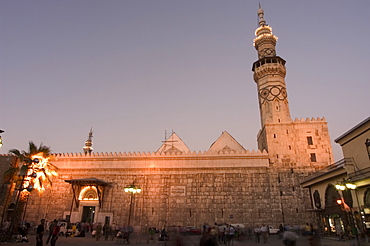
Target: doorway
(88, 213)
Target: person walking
(107, 230)
(40, 233)
(55, 234)
(231, 234)
(51, 228)
(257, 233)
(264, 233)
(281, 231)
(98, 231)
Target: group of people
(214, 235)
(211, 235)
(112, 231)
(263, 231)
(54, 229)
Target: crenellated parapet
(318, 119)
(162, 160)
(252, 153)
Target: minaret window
(309, 141)
(313, 157)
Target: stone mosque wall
(180, 190)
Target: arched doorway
(334, 218)
(87, 202)
(366, 209)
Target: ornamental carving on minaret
(264, 71)
(272, 92)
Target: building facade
(340, 193)
(179, 187)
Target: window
(367, 143)
(313, 157)
(309, 141)
(317, 199)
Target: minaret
(269, 74)
(289, 143)
(88, 144)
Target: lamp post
(132, 190)
(1, 140)
(346, 186)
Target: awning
(87, 181)
(78, 183)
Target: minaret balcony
(268, 60)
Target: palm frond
(32, 148)
(47, 177)
(52, 167)
(17, 153)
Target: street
(193, 240)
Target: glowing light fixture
(340, 187)
(1, 140)
(351, 186)
(132, 189)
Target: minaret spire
(269, 74)
(262, 21)
(88, 144)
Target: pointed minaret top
(88, 144)
(262, 21)
(265, 41)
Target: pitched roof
(173, 144)
(226, 144)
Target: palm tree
(30, 172)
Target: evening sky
(132, 70)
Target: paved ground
(142, 240)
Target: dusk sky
(132, 70)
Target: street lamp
(132, 189)
(1, 140)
